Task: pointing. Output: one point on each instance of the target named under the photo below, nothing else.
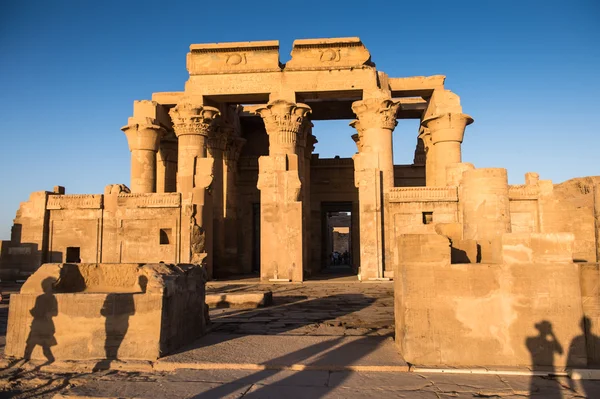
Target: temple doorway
(337, 245)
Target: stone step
(240, 300)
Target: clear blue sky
(527, 71)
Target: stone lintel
(416, 85)
(238, 57)
(168, 97)
(333, 53)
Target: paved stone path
(198, 384)
(310, 309)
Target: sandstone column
(447, 132)
(375, 124)
(230, 171)
(373, 176)
(166, 167)
(192, 125)
(279, 182)
(143, 137)
(305, 147)
(216, 143)
(429, 157)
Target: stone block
(490, 314)
(236, 57)
(106, 311)
(337, 53)
(423, 248)
(537, 247)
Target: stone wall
(106, 311)
(526, 313)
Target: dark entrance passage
(337, 245)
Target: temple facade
(224, 173)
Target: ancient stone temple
(224, 173)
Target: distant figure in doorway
(42, 327)
(542, 349)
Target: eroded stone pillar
(425, 136)
(193, 124)
(143, 137)
(279, 182)
(447, 132)
(373, 176)
(230, 172)
(166, 167)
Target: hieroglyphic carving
(150, 200)
(75, 201)
(423, 194)
(523, 192)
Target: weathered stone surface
(106, 311)
(506, 314)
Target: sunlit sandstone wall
(107, 311)
(473, 213)
(115, 227)
(524, 310)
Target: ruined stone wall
(112, 228)
(28, 246)
(570, 207)
(514, 309)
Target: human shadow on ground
(116, 310)
(591, 343)
(542, 349)
(42, 330)
(320, 357)
(288, 313)
(333, 350)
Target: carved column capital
(143, 134)
(375, 113)
(447, 127)
(233, 149)
(283, 120)
(193, 119)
